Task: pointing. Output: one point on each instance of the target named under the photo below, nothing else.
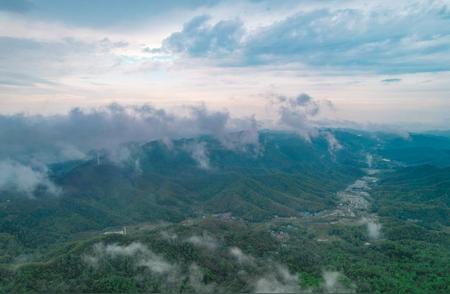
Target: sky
(376, 62)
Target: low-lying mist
(28, 143)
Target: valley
(273, 223)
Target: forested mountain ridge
(287, 216)
(165, 183)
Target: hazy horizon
(377, 62)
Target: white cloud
(333, 143)
(240, 256)
(376, 38)
(196, 281)
(369, 159)
(205, 241)
(71, 136)
(298, 114)
(280, 281)
(333, 283)
(373, 227)
(373, 230)
(199, 153)
(24, 179)
(331, 280)
(141, 253)
(199, 38)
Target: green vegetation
(247, 223)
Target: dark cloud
(199, 38)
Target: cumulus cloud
(234, 134)
(173, 275)
(24, 179)
(403, 37)
(299, 114)
(199, 38)
(248, 136)
(118, 131)
(295, 113)
(210, 122)
(115, 131)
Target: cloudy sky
(377, 61)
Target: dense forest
(292, 216)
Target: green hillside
(277, 217)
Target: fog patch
(171, 276)
(373, 227)
(70, 136)
(279, 281)
(334, 283)
(142, 255)
(240, 256)
(167, 142)
(369, 160)
(204, 241)
(199, 153)
(196, 277)
(245, 140)
(120, 155)
(333, 143)
(168, 235)
(70, 152)
(373, 230)
(24, 179)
